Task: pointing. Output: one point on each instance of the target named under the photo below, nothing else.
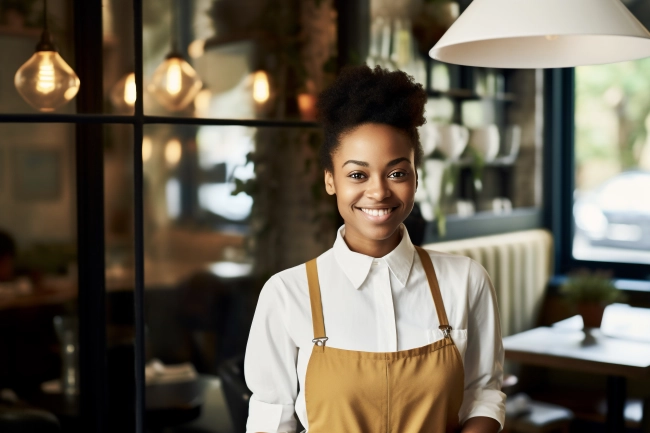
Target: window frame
(89, 160)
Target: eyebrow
(365, 164)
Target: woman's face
(374, 180)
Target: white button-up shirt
(373, 305)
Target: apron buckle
(446, 330)
(320, 341)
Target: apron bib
(408, 391)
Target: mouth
(377, 214)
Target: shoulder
(461, 268)
(447, 261)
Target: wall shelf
(485, 224)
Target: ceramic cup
(512, 141)
(433, 173)
(452, 139)
(428, 138)
(486, 141)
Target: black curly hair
(361, 95)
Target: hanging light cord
(45, 15)
(175, 52)
(46, 43)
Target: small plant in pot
(589, 292)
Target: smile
(378, 214)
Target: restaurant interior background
(232, 193)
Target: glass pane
(38, 274)
(268, 63)
(209, 249)
(612, 207)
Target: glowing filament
(45, 78)
(260, 87)
(130, 93)
(174, 78)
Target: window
(611, 207)
(171, 253)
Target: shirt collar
(357, 266)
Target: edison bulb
(124, 94)
(261, 87)
(173, 152)
(147, 148)
(46, 81)
(175, 83)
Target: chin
(377, 232)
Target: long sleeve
(484, 356)
(270, 365)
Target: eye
(357, 175)
(397, 174)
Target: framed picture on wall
(36, 174)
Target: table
(586, 351)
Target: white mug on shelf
(434, 170)
(512, 141)
(452, 139)
(486, 141)
(428, 138)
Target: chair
(237, 394)
(524, 415)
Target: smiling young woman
(376, 334)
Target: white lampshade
(543, 34)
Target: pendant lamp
(175, 83)
(46, 81)
(543, 34)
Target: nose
(378, 189)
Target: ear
(329, 182)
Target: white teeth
(377, 212)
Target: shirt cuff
(484, 402)
(270, 418)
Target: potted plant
(589, 292)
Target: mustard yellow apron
(409, 391)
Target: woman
(375, 335)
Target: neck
(372, 247)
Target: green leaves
(584, 286)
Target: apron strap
(316, 305)
(435, 289)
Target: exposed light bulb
(261, 87)
(46, 81)
(173, 152)
(147, 148)
(124, 93)
(130, 93)
(175, 83)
